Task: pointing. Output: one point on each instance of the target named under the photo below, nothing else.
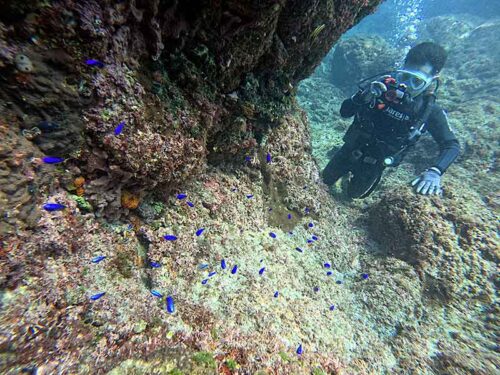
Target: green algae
(140, 326)
(284, 356)
(318, 371)
(82, 203)
(106, 115)
(158, 207)
(232, 364)
(204, 359)
(214, 333)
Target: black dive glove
(429, 182)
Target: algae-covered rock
(360, 57)
(450, 248)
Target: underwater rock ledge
(111, 111)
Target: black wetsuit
(382, 131)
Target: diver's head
(421, 67)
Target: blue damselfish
(170, 305)
(95, 297)
(53, 207)
(52, 160)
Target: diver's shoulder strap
(420, 126)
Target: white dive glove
(428, 182)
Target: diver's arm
(364, 96)
(351, 105)
(429, 182)
(449, 147)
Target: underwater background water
(162, 204)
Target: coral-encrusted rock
(165, 70)
(360, 57)
(451, 242)
(20, 179)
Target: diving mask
(415, 81)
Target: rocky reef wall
(145, 100)
(192, 81)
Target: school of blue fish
(169, 301)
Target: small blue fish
(316, 288)
(270, 209)
(181, 196)
(364, 276)
(92, 62)
(97, 259)
(261, 271)
(190, 204)
(290, 233)
(249, 196)
(170, 305)
(276, 294)
(248, 158)
(332, 307)
(155, 264)
(289, 216)
(314, 238)
(53, 207)
(199, 232)
(204, 281)
(299, 249)
(223, 264)
(310, 225)
(339, 282)
(170, 237)
(95, 297)
(310, 241)
(52, 160)
(234, 270)
(268, 157)
(327, 265)
(272, 234)
(305, 187)
(156, 294)
(119, 128)
(299, 349)
(212, 274)
(307, 210)
(234, 189)
(329, 273)
(260, 261)
(203, 266)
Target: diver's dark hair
(427, 52)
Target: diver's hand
(375, 90)
(429, 182)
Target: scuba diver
(390, 115)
